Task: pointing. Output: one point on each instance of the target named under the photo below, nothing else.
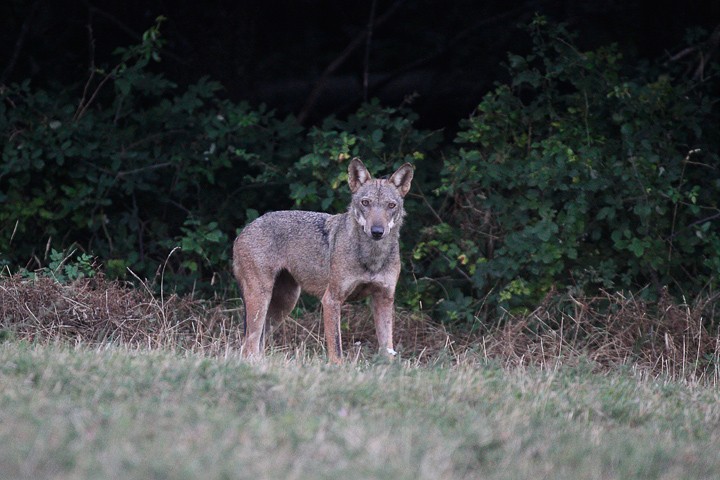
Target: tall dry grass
(609, 330)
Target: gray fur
(333, 257)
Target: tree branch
(19, 42)
(136, 36)
(457, 39)
(368, 43)
(91, 47)
(339, 60)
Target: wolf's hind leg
(256, 295)
(285, 294)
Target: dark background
(442, 55)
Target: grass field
(110, 412)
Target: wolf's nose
(377, 232)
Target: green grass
(115, 413)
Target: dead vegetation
(96, 310)
(608, 331)
(612, 330)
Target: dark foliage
(580, 173)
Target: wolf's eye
(392, 205)
(365, 202)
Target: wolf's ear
(402, 178)
(357, 174)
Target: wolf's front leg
(331, 321)
(383, 302)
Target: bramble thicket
(583, 172)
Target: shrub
(129, 167)
(383, 137)
(580, 173)
(585, 171)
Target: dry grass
(610, 330)
(95, 311)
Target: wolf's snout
(377, 232)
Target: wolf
(336, 258)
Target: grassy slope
(114, 413)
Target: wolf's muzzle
(377, 232)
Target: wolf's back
(295, 240)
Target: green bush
(584, 171)
(383, 137)
(128, 167)
(66, 268)
(578, 174)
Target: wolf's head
(377, 204)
